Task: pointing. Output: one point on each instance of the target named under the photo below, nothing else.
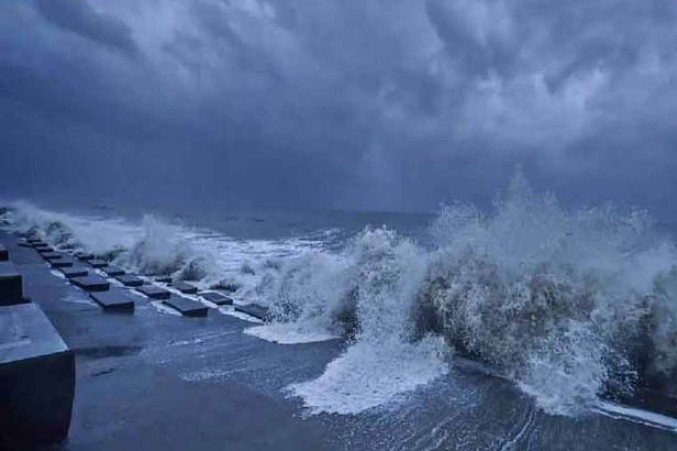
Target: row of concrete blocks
(117, 301)
(37, 370)
(78, 270)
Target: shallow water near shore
(570, 305)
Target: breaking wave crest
(155, 247)
(372, 296)
(570, 304)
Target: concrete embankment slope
(149, 378)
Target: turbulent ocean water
(572, 305)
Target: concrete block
(163, 279)
(96, 263)
(45, 250)
(129, 280)
(39, 245)
(52, 255)
(91, 282)
(154, 292)
(114, 300)
(23, 243)
(255, 310)
(186, 307)
(33, 240)
(11, 284)
(216, 298)
(83, 256)
(113, 271)
(63, 262)
(75, 271)
(4, 255)
(37, 380)
(185, 288)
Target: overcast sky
(390, 104)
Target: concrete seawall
(37, 369)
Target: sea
(574, 306)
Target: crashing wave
(155, 247)
(570, 304)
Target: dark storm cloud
(367, 104)
(77, 16)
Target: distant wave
(570, 304)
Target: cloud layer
(346, 104)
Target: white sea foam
(240, 315)
(568, 303)
(561, 300)
(291, 333)
(152, 246)
(382, 276)
(95, 234)
(647, 418)
(368, 376)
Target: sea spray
(557, 299)
(102, 236)
(311, 291)
(159, 250)
(571, 304)
(383, 276)
(154, 246)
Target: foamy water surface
(562, 301)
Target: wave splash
(155, 247)
(372, 296)
(570, 304)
